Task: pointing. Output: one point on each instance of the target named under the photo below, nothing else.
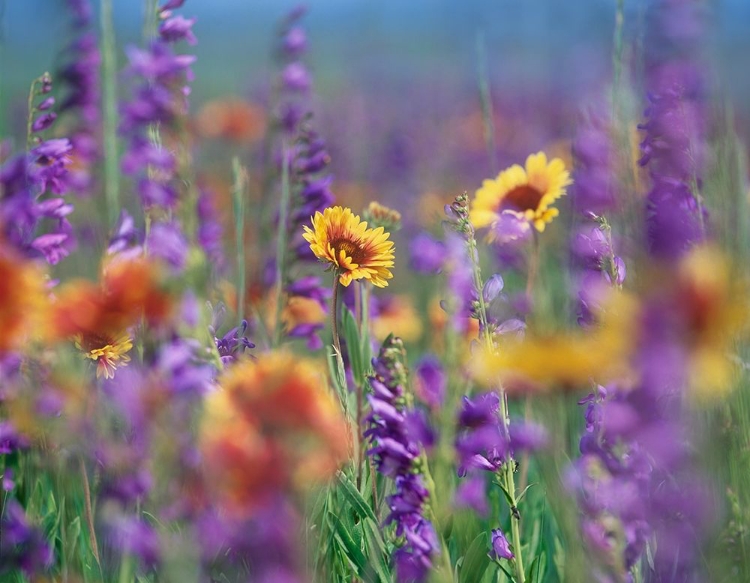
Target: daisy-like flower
(521, 195)
(108, 351)
(340, 238)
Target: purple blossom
(166, 241)
(22, 546)
(430, 381)
(178, 28)
(426, 254)
(395, 433)
(500, 546)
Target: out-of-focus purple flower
(166, 241)
(426, 254)
(210, 233)
(295, 77)
(593, 189)
(178, 28)
(22, 546)
(500, 546)
(44, 121)
(471, 493)
(430, 381)
(295, 41)
(125, 237)
(10, 439)
(135, 537)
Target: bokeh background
(396, 83)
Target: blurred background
(395, 84)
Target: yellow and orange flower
(525, 193)
(340, 238)
(23, 300)
(397, 316)
(271, 425)
(97, 317)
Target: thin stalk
(109, 121)
(506, 473)
(281, 241)
(531, 277)
(334, 312)
(238, 202)
(150, 19)
(485, 98)
(89, 511)
(30, 110)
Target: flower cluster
(160, 78)
(80, 76)
(396, 451)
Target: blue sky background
(392, 44)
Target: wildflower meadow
(460, 314)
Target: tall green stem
(109, 122)
(505, 475)
(238, 202)
(334, 313)
(281, 242)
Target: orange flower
(97, 317)
(272, 425)
(231, 119)
(23, 299)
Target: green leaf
(475, 561)
(377, 548)
(353, 553)
(355, 499)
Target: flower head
(525, 194)
(272, 426)
(108, 352)
(340, 238)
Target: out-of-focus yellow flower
(340, 238)
(231, 119)
(568, 360)
(713, 310)
(526, 193)
(271, 426)
(397, 316)
(23, 299)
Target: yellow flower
(397, 316)
(526, 194)
(108, 352)
(340, 238)
(567, 361)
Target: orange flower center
(521, 198)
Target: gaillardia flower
(340, 238)
(522, 194)
(272, 426)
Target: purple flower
(426, 254)
(500, 546)
(430, 381)
(295, 77)
(22, 546)
(166, 241)
(178, 28)
(471, 493)
(395, 434)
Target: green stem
(109, 121)
(334, 312)
(485, 97)
(281, 242)
(238, 203)
(506, 473)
